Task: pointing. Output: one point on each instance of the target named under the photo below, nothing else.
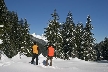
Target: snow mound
(4, 57)
(76, 59)
(42, 62)
(41, 55)
(5, 61)
(18, 57)
(1, 64)
(39, 36)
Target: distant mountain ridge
(39, 36)
(41, 39)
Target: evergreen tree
(101, 47)
(67, 34)
(6, 27)
(79, 41)
(21, 38)
(71, 34)
(11, 46)
(14, 34)
(3, 10)
(27, 43)
(8, 49)
(97, 47)
(104, 49)
(52, 32)
(89, 52)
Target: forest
(69, 39)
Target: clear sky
(38, 12)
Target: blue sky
(38, 12)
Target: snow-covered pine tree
(97, 47)
(3, 10)
(1, 22)
(63, 35)
(101, 50)
(9, 48)
(1, 30)
(89, 53)
(27, 40)
(15, 35)
(4, 20)
(52, 32)
(104, 49)
(71, 34)
(21, 48)
(68, 37)
(61, 52)
(12, 34)
(79, 41)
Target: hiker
(35, 50)
(50, 55)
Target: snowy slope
(74, 65)
(39, 36)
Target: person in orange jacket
(35, 50)
(50, 55)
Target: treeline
(14, 33)
(102, 49)
(74, 40)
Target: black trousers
(33, 57)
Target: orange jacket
(50, 51)
(35, 49)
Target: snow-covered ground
(74, 65)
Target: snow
(1, 41)
(41, 55)
(1, 25)
(18, 57)
(39, 36)
(60, 23)
(16, 64)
